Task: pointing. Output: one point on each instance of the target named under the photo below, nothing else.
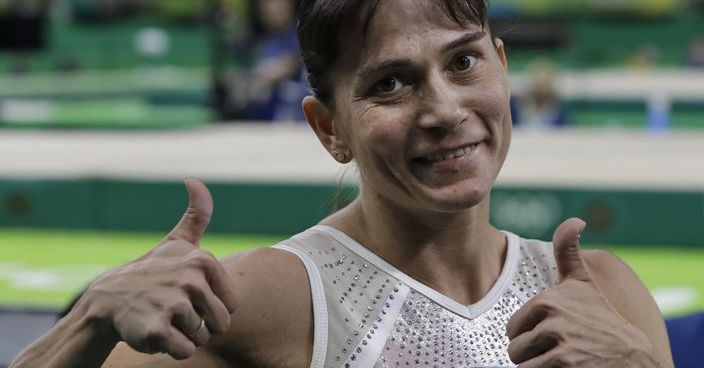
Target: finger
(217, 278)
(177, 345)
(529, 315)
(190, 323)
(164, 338)
(567, 254)
(549, 359)
(197, 215)
(202, 333)
(530, 344)
(213, 311)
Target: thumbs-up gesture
(174, 297)
(574, 324)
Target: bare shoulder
(628, 295)
(617, 280)
(274, 308)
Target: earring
(340, 156)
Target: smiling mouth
(449, 155)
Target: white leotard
(367, 313)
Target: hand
(174, 297)
(573, 324)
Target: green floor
(46, 268)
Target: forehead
(398, 28)
(402, 15)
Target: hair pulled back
(321, 22)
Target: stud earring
(340, 156)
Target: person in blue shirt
(276, 84)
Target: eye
(388, 85)
(463, 62)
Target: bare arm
(125, 357)
(80, 338)
(631, 299)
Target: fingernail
(581, 229)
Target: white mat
(291, 153)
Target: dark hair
(320, 23)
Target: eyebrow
(392, 64)
(375, 69)
(467, 38)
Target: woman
(411, 273)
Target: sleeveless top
(367, 313)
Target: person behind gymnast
(411, 273)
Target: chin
(457, 199)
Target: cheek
(498, 119)
(494, 109)
(381, 139)
(495, 99)
(382, 142)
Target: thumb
(197, 216)
(569, 259)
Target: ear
(320, 118)
(501, 51)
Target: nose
(441, 106)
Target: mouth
(449, 154)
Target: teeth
(451, 154)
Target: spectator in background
(276, 85)
(540, 107)
(22, 32)
(695, 59)
(646, 57)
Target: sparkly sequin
(536, 271)
(428, 335)
(376, 319)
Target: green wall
(138, 205)
(614, 216)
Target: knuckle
(544, 298)
(553, 329)
(201, 260)
(547, 303)
(562, 358)
(191, 285)
(551, 335)
(180, 308)
(197, 217)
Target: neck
(458, 254)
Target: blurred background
(106, 105)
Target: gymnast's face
(422, 104)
